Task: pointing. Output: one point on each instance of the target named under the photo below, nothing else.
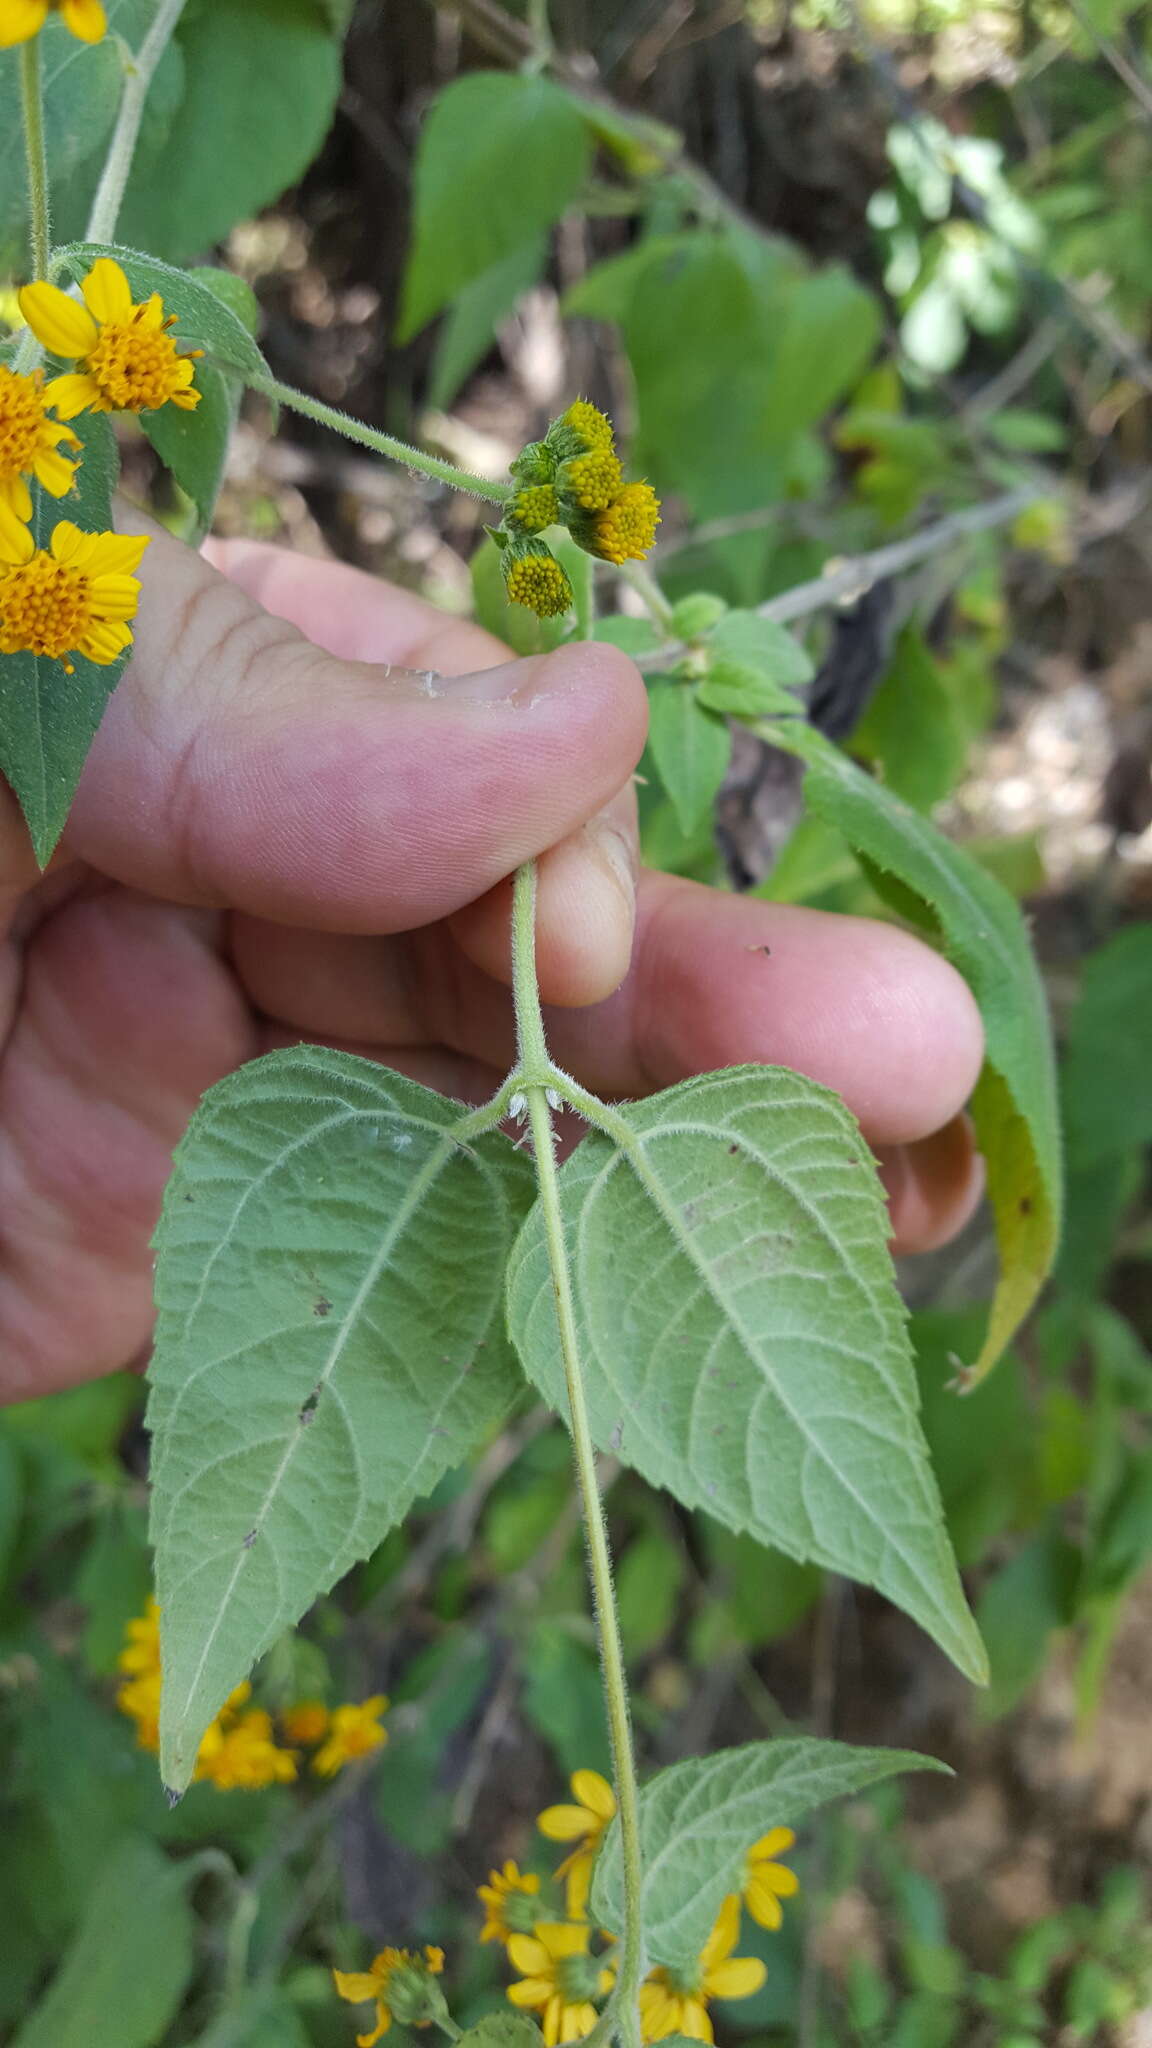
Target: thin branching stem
(382, 444)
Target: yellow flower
(536, 507)
(583, 1824)
(75, 597)
(399, 1985)
(29, 443)
(767, 1882)
(593, 426)
(511, 1902)
(244, 1757)
(671, 2003)
(534, 578)
(128, 359)
(306, 1722)
(626, 529)
(353, 1731)
(593, 480)
(560, 1979)
(20, 20)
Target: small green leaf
(122, 1980)
(329, 1343)
(501, 2030)
(743, 1341)
(697, 614)
(691, 747)
(739, 690)
(984, 935)
(48, 719)
(1107, 1074)
(633, 636)
(699, 1819)
(205, 320)
(765, 645)
(500, 158)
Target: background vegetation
(841, 272)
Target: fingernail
(508, 683)
(615, 848)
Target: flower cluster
(571, 478)
(240, 1751)
(565, 1966)
(77, 595)
(20, 20)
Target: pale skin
(276, 840)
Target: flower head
(20, 20)
(672, 2003)
(591, 481)
(582, 1824)
(30, 443)
(767, 1882)
(400, 1985)
(534, 578)
(353, 1731)
(126, 356)
(511, 1902)
(307, 1722)
(593, 426)
(625, 530)
(243, 1755)
(535, 507)
(559, 1979)
(74, 597)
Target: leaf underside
(329, 1343)
(743, 1340)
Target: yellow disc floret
(594, 426)
(592, 481)
(127, 360)
(30, 443)
(20, 20)
(536, 507)
(75, 597)
(537, 581)
(626, 529)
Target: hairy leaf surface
(743, 1339)
(699, 1819)
(329, 1342)
(984, 935)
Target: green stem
(382, 444)
(139, 73)
(645, 585)
(537, 1078)
(32, 100)
(584, 596)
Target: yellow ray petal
(20, 20)
(722, 1940)
(74, 394)
(527, 1954)
(86, 19)
(595, 1793)
(55, 472)
(737, 1978)
(773, 1843)
(115, 554)
(65, 328)
(357, 1986)
(16, 543)
(531, 1991)
(695, 2022)
(564, 1823)
(107, 292)
(15, 494)
(105, 644)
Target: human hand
(273, 843)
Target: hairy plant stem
(138, 75)
(537, 1079)
(382, 444)
(32, 105)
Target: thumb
(240, 766)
